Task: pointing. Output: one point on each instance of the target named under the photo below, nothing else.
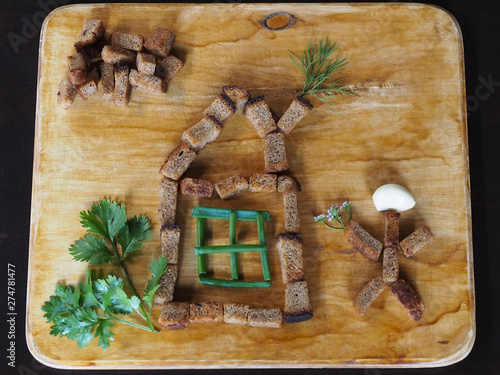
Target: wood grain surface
(408, 126)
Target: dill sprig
(319, 70)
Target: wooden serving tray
(408, 126)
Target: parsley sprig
(319, 70)
(89, 310)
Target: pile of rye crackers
(117, 64)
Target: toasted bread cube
(160, 42)
(291, 213)
(107, 82)
(168, 67)
(89, 87)
(127, 41)
(290, 252)
(146, 63)
(93, 30)
(147, 83)
(275, 159)
(408, 298)
(235, 313)
(287, 184)
(199, 135)
(221, 108)
(67, 92)
(259, 114)
(177, 162)
(362, 241)
(416, 241)
(167, 201)
(169, 240)
(390, 264)
(77, 68)
(206, 312)
(262, 182)
(92, 53)
(368, 294)
(165, 292)
(297, 305)
(391, 232)
(117, 55)
(237, 94)
(174, 315)
(231, 186)
(122, 87)
(266, 318)
(197, 187)
(295, 112)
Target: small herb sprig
(334, 214)
(88, 310)
(319, 70)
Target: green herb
(319, 70)
(334, 214)
(202, 214)
(89, 310)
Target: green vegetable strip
(224, 213)
(260, 229)
(234, 283)
(233, 249)
(263, 254)
(202, 264)
(202, 213)
(232, 241)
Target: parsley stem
(143, 312)
(131, 284)
(140, 326)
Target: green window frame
(201, 214)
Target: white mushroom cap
(392, 197)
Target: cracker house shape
(297, 307)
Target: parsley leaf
(108, 227)
(92, 249)
(58, 305)
(81, 324)
(87, 313)
(112, 296)
(68, 316)
(157, 269)
(105, 218)
(88, 297)
(133, 234)
(103, 332)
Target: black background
(479, 21)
